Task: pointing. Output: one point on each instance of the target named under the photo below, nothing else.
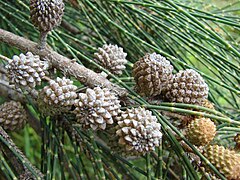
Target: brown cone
(187, 87)
(46, 14)
(12, 116)
(151, 73)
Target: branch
(9, 92)
(69, 27)
(67, 66)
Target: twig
(20, 168)
(74, 3)
(69, 27)
(43, 40)
(83, 74)
(8, 91)
(4, 57)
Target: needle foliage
(191, 34)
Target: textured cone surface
(206, 103)
(12, 116)
(112, 58)
(58, 97)
(138, 131)
(26, 71)
(201, 131)
(237, 140)
(226, 161)
(210, 175)
(96, 108)
(151, 74)
(113, 142)
(46, 14)
(187, 87)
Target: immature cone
(112, 58)
(12, 116)
(59, 96)
(26, 71)
(46, 14)
(201, 131)
(151, 74)
(226, 161)
(187, 87)
(96, 108)
(138, 131)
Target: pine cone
(151, 73)
(96, 108)
(187, 87)
(46, 14)
(12, 116)
(112, 58)
(138, 131)
(201, 131)
(226, 161)
(26, 71)
(58, 97)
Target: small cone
(151, 73)
(112, 58)
(58, 97)
(96, 108)
(46, 14)
(12, 116)
(138, 131)
(26, 71)
(201, 131)
(187, 87)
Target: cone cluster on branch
(96, 108)
(153, 76)
(201, 131)
(46, 14)
(152, 73)
(26, 71)
(226, 161)
(12, 116)
(138, 131)
(112, 58)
